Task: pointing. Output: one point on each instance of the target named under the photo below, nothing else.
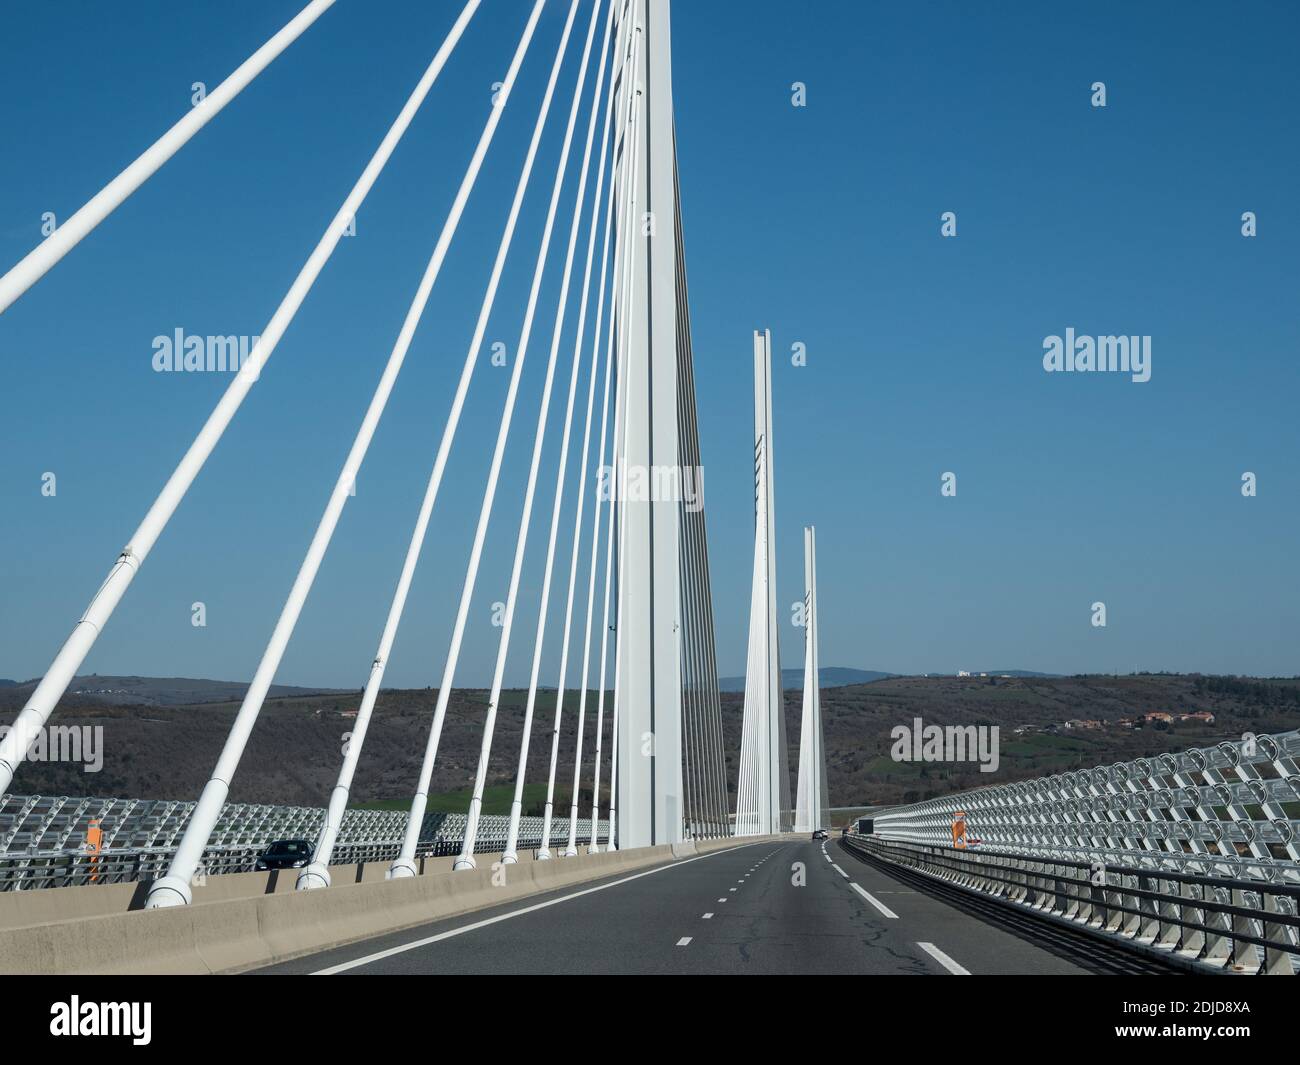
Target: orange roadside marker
(94, 839)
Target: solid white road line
(685, 941)
(943, 959)
(874, 901)
(415, 944)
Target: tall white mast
(811, 811)
(763, 798)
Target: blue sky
(821, 223)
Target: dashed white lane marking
(343, 967)
(707, 916)
(874, 901)
(685, 941)
(943, 959)
(731, 889)
(839, 870)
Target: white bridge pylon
(668, 773)
(669, 763)
(763, 789)
(811, 809)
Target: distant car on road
(285, 854)
(821, 833)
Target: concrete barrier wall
(21, 908)
(245, 920)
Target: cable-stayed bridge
(632, 336)
(678, 876)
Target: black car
(821, 833)
(285, 854)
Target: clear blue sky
(821, 223)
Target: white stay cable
(171, 890)
(591, 595)
(467, 853)
(573, 561)
(619, 472)
(622, 239)
(404, 864)
(316, 874)
(466, 859)
(571, 849)
(74, 650)
(510, 856)
(41, 259)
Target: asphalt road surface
(792, 907)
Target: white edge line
(343, 967)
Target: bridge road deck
(731, 912)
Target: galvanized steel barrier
(42, 838)
(1191, 854)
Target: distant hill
(8, 683)
(830, 677)
(168, 691)
(167, 751)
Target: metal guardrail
(1209, 923)
(1194, 854)
(1232, 810)
(74, 868)
(54, 823)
